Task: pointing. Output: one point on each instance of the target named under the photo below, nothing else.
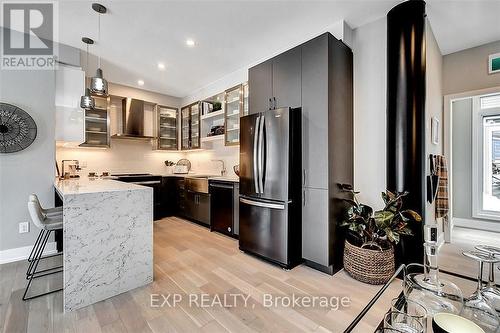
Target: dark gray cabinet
(315, 223)
(197, 207)
(276, 82)
(260, 78)
(327, 147)
(287, 79)
(315, 98)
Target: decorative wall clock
(17, 129)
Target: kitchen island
(107, 239)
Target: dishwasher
(221, 210)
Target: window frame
(478, 116)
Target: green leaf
(383, 218)
(365, 211)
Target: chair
(50, 212)
(47, 220)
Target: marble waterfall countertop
(89, 185)
(107, 239)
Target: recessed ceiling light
(140, 82)
(189, 42)
(161, 66)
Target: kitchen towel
(442, 200)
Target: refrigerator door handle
(260, 154)
(255, 153)
(262, 204)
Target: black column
(406, 115)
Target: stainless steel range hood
(133, 122)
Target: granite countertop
(86, 185)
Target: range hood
(133, 122)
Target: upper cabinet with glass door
(233, 111)
(167, 127)
(190, 126)
(245, 99)
(97, 124)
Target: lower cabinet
(197, 207)
(180, 197)
(315, 226)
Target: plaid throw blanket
(442, 204)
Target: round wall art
(17, 129)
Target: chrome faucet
(223, 171)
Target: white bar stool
(56, 212)
(48, 221)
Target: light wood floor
(190, 259)
(463, 239)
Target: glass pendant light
(98, 85)
(87, 102)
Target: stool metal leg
(34, 251)
(36, 260)
(37, 252)
(30, 257)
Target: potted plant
(371, 237)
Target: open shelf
(212, 114)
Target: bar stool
(491, 291)
(477, 307)
(50, 212)
(47, 224)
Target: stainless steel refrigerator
(270, 186)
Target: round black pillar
(406, 115)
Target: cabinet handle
(270, 104)
(304, 198)
(304, 177)
(274, 105)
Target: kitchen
(168, 173)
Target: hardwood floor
(463, 239)
(189, 259)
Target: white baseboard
(476, 224)
(22, 253)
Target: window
(486, 157)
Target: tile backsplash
(131, 156)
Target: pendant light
(87, 102)
(98, 85)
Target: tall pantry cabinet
(317, 76)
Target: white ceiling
(230, 35)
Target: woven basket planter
(367, 265)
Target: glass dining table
(466, 284)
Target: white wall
(124, 156)
(433, 105)
(340, 30)
(370, 71)
(30, 170)
(467, 70)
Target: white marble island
(107, 239)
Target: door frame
(447, 146)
